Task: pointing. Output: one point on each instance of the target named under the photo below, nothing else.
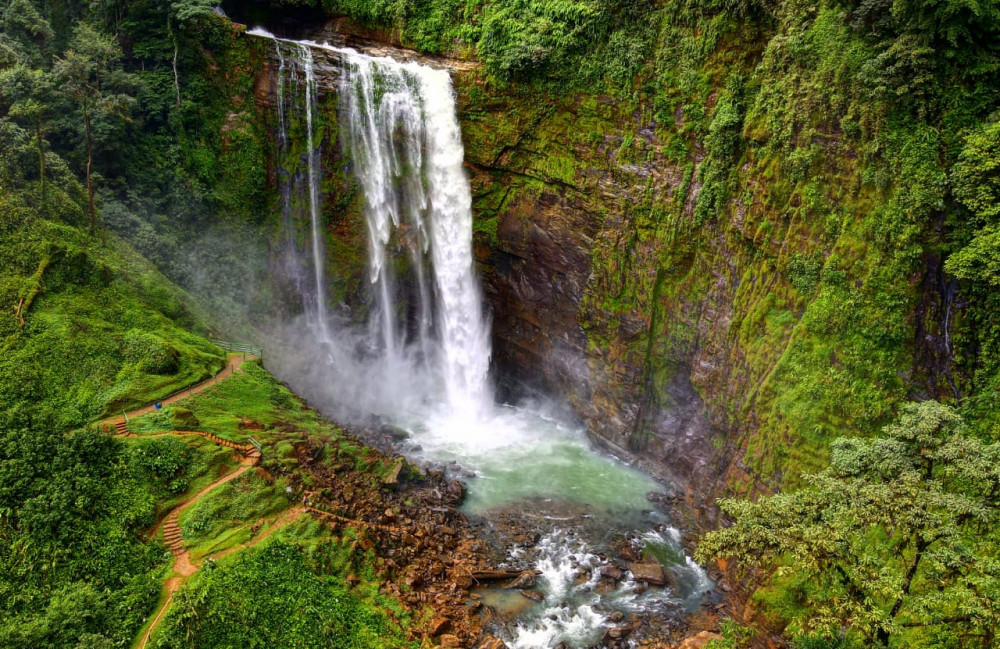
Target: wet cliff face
(557, 182)
(553, 189)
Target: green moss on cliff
(777, 229)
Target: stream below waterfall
(420, 359)
(541, 474)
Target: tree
(24, 22)
(29, 93)
(111, 12)
(524, 36)
(975, 180)
(954, 22)
(976, 174)
(893, 545)
(179, 14)
(90, 77)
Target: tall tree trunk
(911, 571)
(43, 204)
(177, 81)
(90, 180)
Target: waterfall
(298, 95)
(421, 358)
(321, 316)
(400, 130)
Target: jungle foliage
(278, 595)
(893, 545)
(88, 326)
(75, 570)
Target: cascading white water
(294, 61)
(403, 134)
(321, 317)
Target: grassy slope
(299, 567)
(104, 330)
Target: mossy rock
(183, 419)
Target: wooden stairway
(172, 534)
(121, 428)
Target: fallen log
(496, 575)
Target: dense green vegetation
(75, 569)
(88, 327)
(102, 329)
(279, 595)
(835, 162)
(889, 546)
(570, 41)
(111, 163)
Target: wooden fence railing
(242, 348)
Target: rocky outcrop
(699, 640)
(571, 314)
(648, 572)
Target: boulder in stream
(533, 595)
(491, 642)
(395, 432)
(612, 573)
(525, 580)
(454, 493)
(648, 572)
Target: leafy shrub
(72, 562)
(149, 353)
(162, 462)
(625, 56)
(524, 36)
(803, 272)
(273, 596)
